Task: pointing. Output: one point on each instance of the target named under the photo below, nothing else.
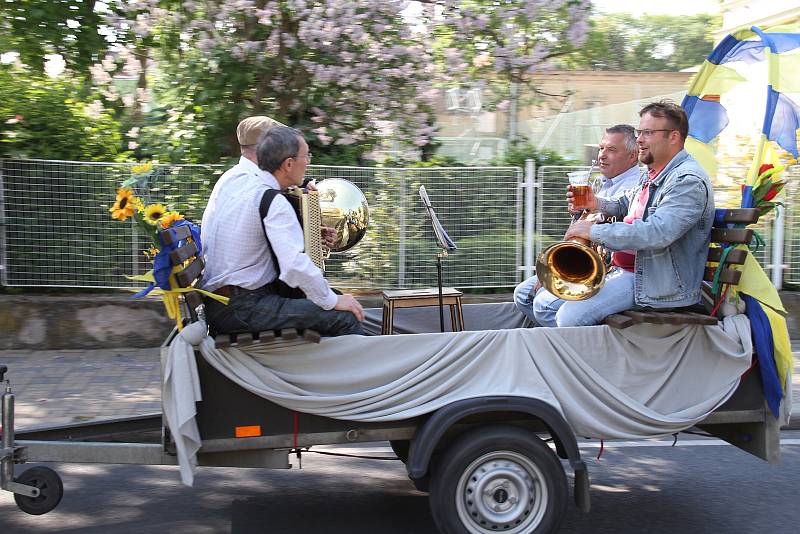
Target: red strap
(602, 446)
(721, 299)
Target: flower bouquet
(766, 187)
(150, 219)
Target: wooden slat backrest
(193, 268)
(721, 235)
(183, 253)
(190, 273)
(173, 235)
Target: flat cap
(251, 129)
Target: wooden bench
(185, 255)
(721, 236)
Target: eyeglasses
(307, 157)
(648, 132)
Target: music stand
(444, 243)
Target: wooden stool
(413, 298)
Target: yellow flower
(125, 204)
(150, 253)
(170, 218)
(154, 212)
(124, 192)
(138, 204)
(142, 169)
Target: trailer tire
(498, 479)
(50, 488)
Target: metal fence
(551, 218)
(56, 230)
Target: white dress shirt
(235, 250)
(614, 187)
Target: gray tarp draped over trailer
(645, 381)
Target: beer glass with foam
(582, 193)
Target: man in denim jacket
(661, 246)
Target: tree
(647, 43)
(37, 28)
(345, 72)
(504, 43)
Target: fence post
(3, 245)
(401, 248)
(777, 247)
(529, 211)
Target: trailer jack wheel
(50, 489)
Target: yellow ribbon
(170, 296)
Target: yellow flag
(754, 282)
(703, 154)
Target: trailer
(490, 455)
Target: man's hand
(580, 230)
(329, 236)
(312, 185)
(592, 203)
(347, 302)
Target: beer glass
(582, 193)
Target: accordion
(307, 208)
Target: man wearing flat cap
(254, 258)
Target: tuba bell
(337, 204)
(344, 208)
(571, 270)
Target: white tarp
(644, 381)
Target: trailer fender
(429, 433)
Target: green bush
(521, 149)
(54, 118)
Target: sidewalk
(67, 386)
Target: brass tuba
(336, 203)
(571, 270)
(344, 208)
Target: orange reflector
(248, 431)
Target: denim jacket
(671, 239)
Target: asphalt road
(700, 486)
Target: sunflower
(154, 212)
(170, 218)
(125, 205)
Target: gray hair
(276, 145)
(629, 135)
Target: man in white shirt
(619, 165)
(241, 262)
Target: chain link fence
(551, 218)
(56, 229)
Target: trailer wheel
(50, 490)
(498, 479)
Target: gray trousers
(257, 310)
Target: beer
(581, 197)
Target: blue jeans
(546, 309)
(258, 310)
